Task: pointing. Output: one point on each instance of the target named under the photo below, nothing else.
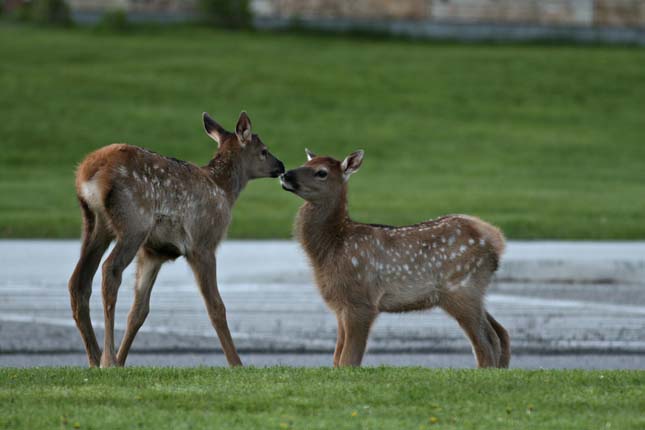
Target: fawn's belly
(168, 239)
(409, 297)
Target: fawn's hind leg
(504, 340)
(96, 239)
(471, 316)
(340, 340)
(121, 256)
(147, 270)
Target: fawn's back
(131, 188)
(411, 267)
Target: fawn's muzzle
(280, 169)
(288, 181)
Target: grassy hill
(546, 141)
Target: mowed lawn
(297, 398)
(546, 141)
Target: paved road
(273, 307)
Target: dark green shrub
(226, 13)
(20, 13)
(115, 20)
(51, 12)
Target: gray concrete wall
(619, 13)
(585, 13)
(585, 21)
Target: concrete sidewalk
(574, 262)
(554, 298)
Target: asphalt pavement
(565, 304)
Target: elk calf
(364, 269)
(157, 209)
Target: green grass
(546, 141)
(297, 398)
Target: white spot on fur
(464, 282)
(355, 261)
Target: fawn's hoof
(108, 361)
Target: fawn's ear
(310, 155)
(243, 129)
(213, 129)
(352, 163)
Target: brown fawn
(158, 209)
(364, 269)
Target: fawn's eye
(264, 153)
(321, 174)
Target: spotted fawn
(362, 270)
(158, 209)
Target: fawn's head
(255, 157)
(321, 178)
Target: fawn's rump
(490, 233)
(94, 174)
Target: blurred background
(527, 113)
(529, 127)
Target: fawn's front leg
(357, 329)
(203, 265)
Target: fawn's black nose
(279, 170)
(289, 176)
(288, 181)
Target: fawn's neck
(227, 171)
(321, 226)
